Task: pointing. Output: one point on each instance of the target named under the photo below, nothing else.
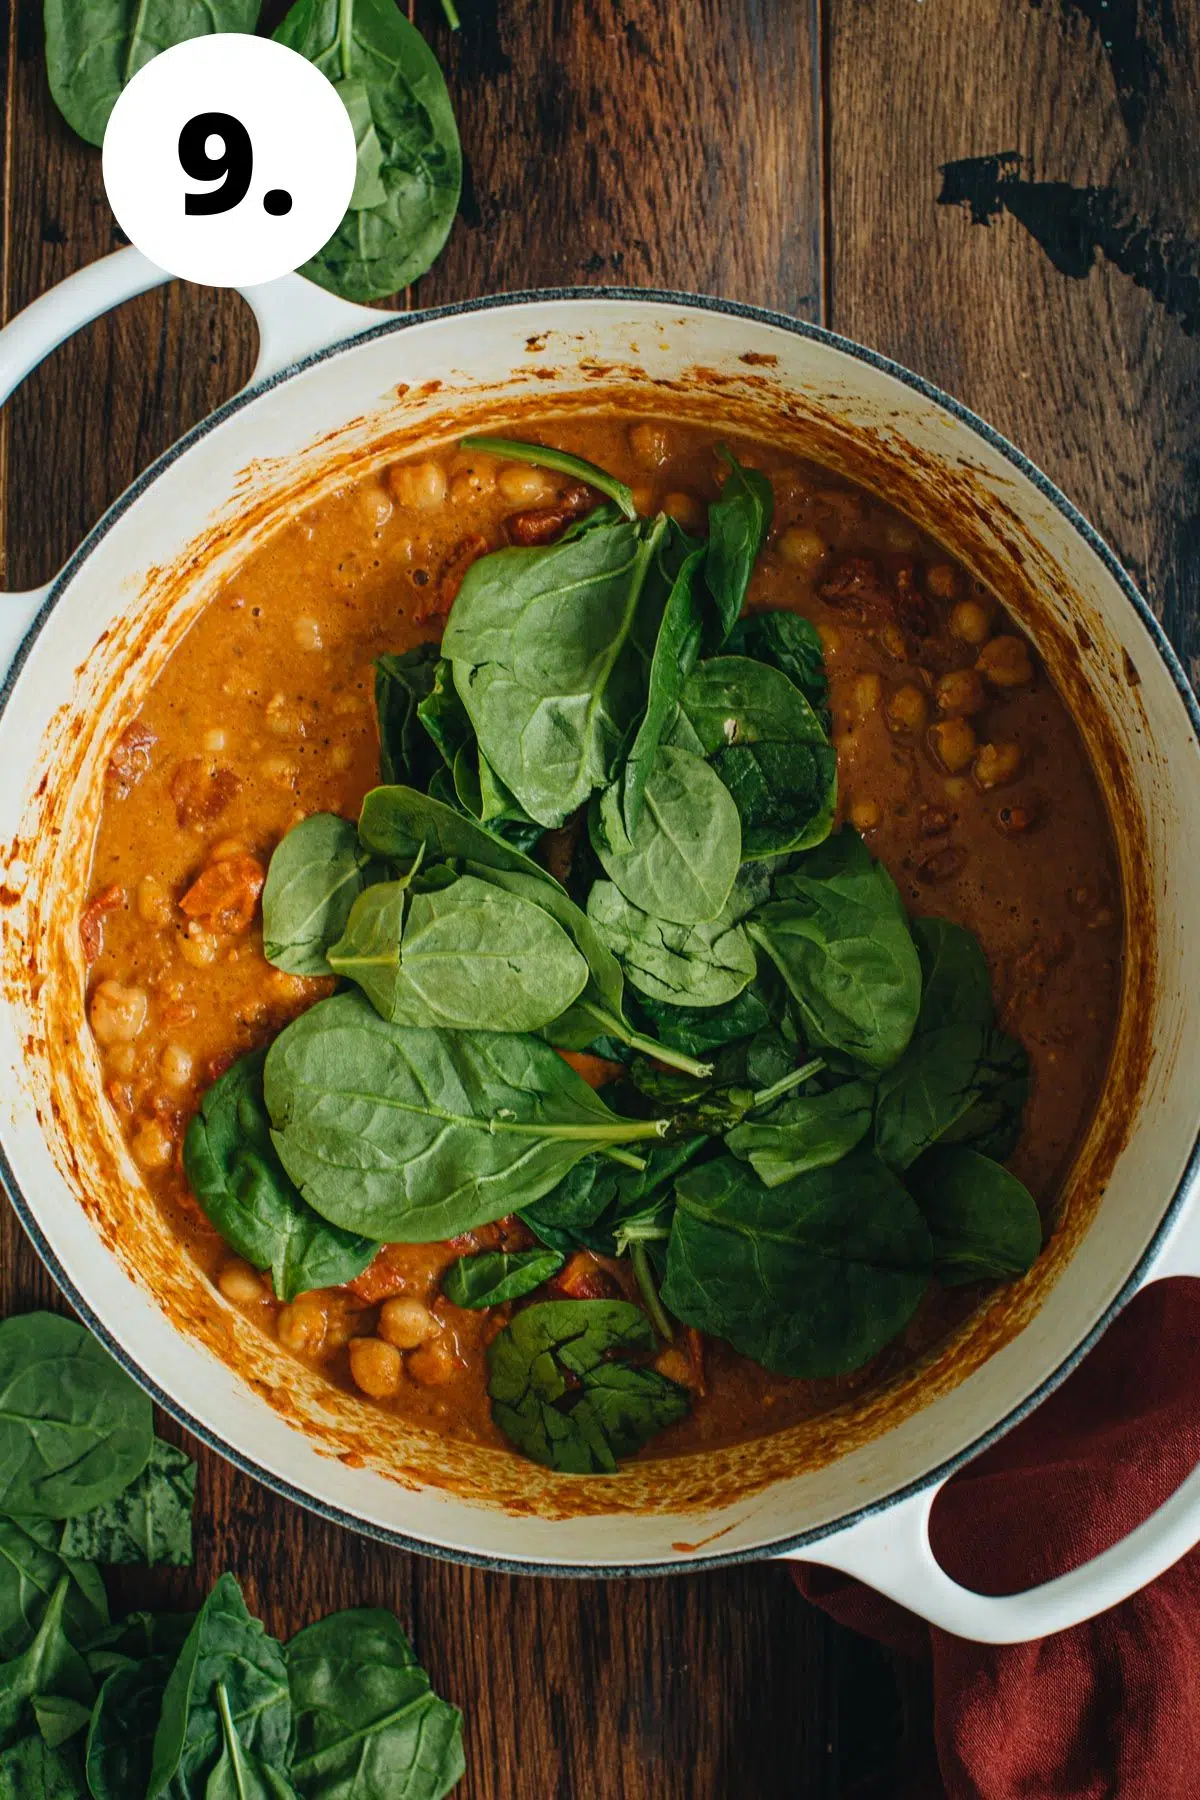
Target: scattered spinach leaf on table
(32, 1564)
(234, 1171)
(314, 877)
(50, 1667)
(150, 1522)
(613, 1408)
(237, 1775)
(495, 1276)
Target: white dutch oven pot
(337, 379)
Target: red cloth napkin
(1111, 1708)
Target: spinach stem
(639, 1257)
(346, 37)
(627, 1131)
(451, 12)
(626, 1157)
(797, 1077)
(674, 1059)
(542, 457)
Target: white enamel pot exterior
(332, 382)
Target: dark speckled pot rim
(793, 1543)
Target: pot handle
(890, 1550)
(294, 318)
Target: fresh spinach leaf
(738, 524)
(955, 986)
(314, 878)
(236, 1774)
(588, 1208)
(236, 1175)
(443, 717)
(839, 936)
(369, 190)
(59, 1718)
(809, 1278)
(74, 1429)
(399, 824)
(225, 1644)
(550, 660)
(469, 957)
(413, 153)
(788, 641)
(685, 852)
(408, 752)
(611, 1410)
(542, 456)
(701, 1030)
(120, 1740)
(768, 746)
(368, 1724)
(31, 1567)
(983, 1221)
(495, 1276)
(94, 48)
(675, 651)
(805, 1131)
(419, 1135)
(31, 1770)
(151, 1522)
(933, 1091)
(136, 1637)
(706, 965)
(50, 1668)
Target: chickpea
(435, 1363)
(375, 505)
(942, 582)
(176, 1066)
(117, 1013)
(644, 502)
(894, 642)
(970, 622)
(122, 1060)
(240, 1283)
(997, 764)
(1006, 662)
(301, 1327)
(198, 947)
(377, 1368)
(280, 771)
(801, 547)
(213, 741)
(153, 1146)
(686, 510)
(471, 485)
(953, 743)
(673, 1363)
(407, 1323)
(955, 788)
(421, 486)
(898, 534)
(524, 486)
(153, 902)
(340, 758)
(831, 639)
(866, 694)
(907, 709)
(865, 814)
(649, 445)
(287, 717)
(307, 633)
(960, 692)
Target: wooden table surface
(1001, 194)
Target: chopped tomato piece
(585, 1278)
(383, 1279)
(91, 920)
(201, 791)
(130, 759)
(542, 524)
(597, 1071)
(223, 897)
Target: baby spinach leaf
(444, 717)
(707, 965)
(151, 1522)
(407, 751)
(687, 846)
(805, 1131)
(701, 1030)
(932, 1092)
(137, 1636)
(399, 824)
(470, 957)
(225, 1644)
(590, 1205)
(314, 878)
(59, 1717)
(120, 1740)
(675, 651)
(839, 937)
(542, 456)
(51, 1667)
(31, 1567)
(738, 524)
(498, 1275)
(809, 1278)
(768, 746)
(236, 1774)
(74, 1429)
(788, 641)
(236, 1175)
(612, 1409)
(549, 658)
(983, 1221)
(413, 154)
(31, 1770)
(418, 1135)
(955, 986)
(368, 1724)
(95, 47)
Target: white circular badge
(229, 160)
